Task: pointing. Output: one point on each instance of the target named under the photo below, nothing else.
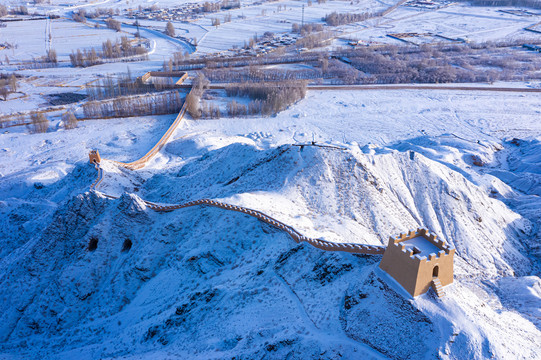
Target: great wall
(414, 271)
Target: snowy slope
(237, 288)
(206, 283)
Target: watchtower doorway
(435, 271)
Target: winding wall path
(138, 164)
(295, 235)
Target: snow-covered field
(476, 24)
(68, 36)
(84, 276)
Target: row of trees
(81, 15)
(47, 61)
(113, 24)
(218, 61)
(220, 5)
(193, 101)
(110, 50)
(267, 98)
(19, 10)
(210, 110)
(315, 40)
(391, 64)
(256, 73)
(123, 85)
(8, 84)
(37, 122)
(141, 105)
(534, 4)
(335, 19)
(40, 124)
(306, 28)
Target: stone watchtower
(418, 261)
(94, 157)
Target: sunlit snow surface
(207, 283)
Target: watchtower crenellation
(416, 259)
(94, 156)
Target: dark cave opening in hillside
(93, 243)
(126, 246)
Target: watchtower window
(435, 271)
(416, 250)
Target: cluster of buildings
(187, 11)
(266, 44)
(428, 4)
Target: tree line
(8, 85)
(267, 98)
(335, 19)
(390, 64)
(533, 4)
(81, 15)
(110, 50)
(209, 7)
(139, 105)
(256, 73)
(124, 85)
(444, 63)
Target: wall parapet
(445, 248)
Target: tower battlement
(94, 156)
(416, 258)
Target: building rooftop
(422, 244)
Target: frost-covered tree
(51, 56)
(38, 123)
(169, 29)
(13, 83)
(113, 24)
(69, 120)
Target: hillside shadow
(521, 292)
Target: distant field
(31, 39)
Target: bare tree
(39, 123)
(200, 83)
(69, 120)
(13, 83)
(51, 56)
(79, 16)
(192, 105)
(113, 24)
(3, 90)
(170, 29)
(3, 10)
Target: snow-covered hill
(113, 279)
